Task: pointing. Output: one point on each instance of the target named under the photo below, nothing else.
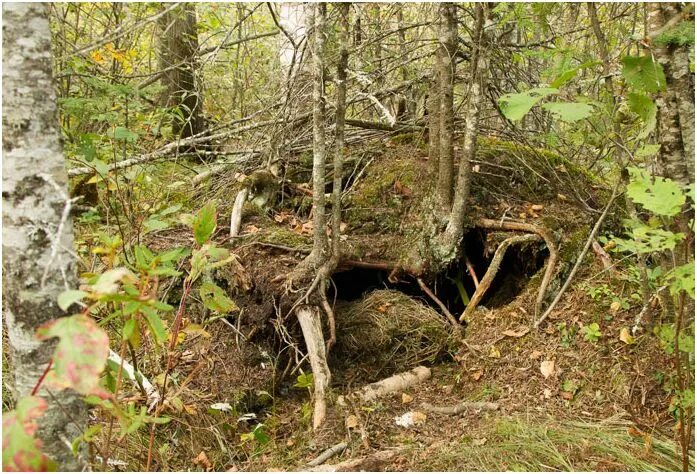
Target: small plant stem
(105, 458)
(43, 376)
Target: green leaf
(204, 223)
(68, 297)
(659, 195)
(515, 106)
(87, 437)
(21, 451)
(129, 329)
(80, 354)
(647, 151)
(642, 73)
(646, 109)
(155, 324)
(305, 381)
(173, 255)
(122, 133)
(682, 278)
(154, 224)
(215, 299)
(569, 111)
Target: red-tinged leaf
(21, 452)
(80, 355)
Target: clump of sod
(387, 331)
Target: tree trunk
(178, 47)
(37, 237)
(676, 121)
(446, 72)
(320, 245)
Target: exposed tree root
(551, 246)
(461, 407)
(311, 325)
(440, 304)
(493, 270)
(393, 384)
(236, 216)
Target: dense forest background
(348, 236)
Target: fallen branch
(461, 407)
(472, 273)
(328, 454)
(493, 270)
(372, 463)
(202, 137)
(138, 379)
(396, 383)
(391, 127)
(551, 246)
(581, 256)
(311, 326)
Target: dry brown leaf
(494, 353)
(479, 441)
(477, 375)
(203, 461)
(351, 421)
(522, 215)
(615, 306)
(547, 368)
(567, 395)
(251, 229)
(561, 197)
(537, 207)
(418, 417)
(475, 168)
(548, 393)
(406, 398)
(534, 355)
(522, 331)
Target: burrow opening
(519, 264)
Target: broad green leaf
(215, 299)
(515, 106)
(683, 278)
(204, 223)
(659, 195)
(155, 324)
(68, 297)
(646, 239)
(21, 452)
(647, 151)
(154, 224)
(569, 111)
(646, 109)
(642, 73)
(174, 254)
(80, 354)
(122, 133)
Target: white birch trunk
(37, 236)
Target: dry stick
(493, 270)
(311, 326)
(332, 321)
(440, 304)
(328, 454)
(461, 407)
(236, 216)
(581, 256)
(551, 246)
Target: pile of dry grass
(389, 331)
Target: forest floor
(568, 398)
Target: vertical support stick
(311, 325)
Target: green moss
(374, 205)
(683, 34)
(284, 236)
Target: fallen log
(461, 407)
(396, 383)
